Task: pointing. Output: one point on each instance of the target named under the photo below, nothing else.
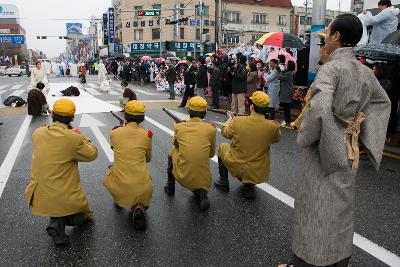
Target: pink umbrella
(160, 59)
(289, 57)
(145, 58)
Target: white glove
(190, 86)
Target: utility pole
(195, 34)
(201, 28)
(305, 19)
(318, 25)
(219, 25)
(160, 36)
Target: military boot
(75, 219)
(56, 230)
(139, 218)
(169, 188)
(249, 191)
(204, 203)
(223, 183)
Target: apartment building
(244, 21)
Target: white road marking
(92, 91)
(8, 163)
(363, 243)
(17, 92)
(94, 86)
(3, 86)
(17, 86)
(143, 92)
(93, 124)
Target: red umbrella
(281, 39)
(146, 58)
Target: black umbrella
(118, 56)
(384, 52)
(393, 38)
(130, 58)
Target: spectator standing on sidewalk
(190, 82)
(286, 90)
(215, 83)
(170, 74)
(239, 85)
(273, 84)
(201, 78)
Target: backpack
(12, 99)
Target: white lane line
(17, 86)
(92, 91)
(17, 93)
(363, 243)
(92, 85)
(8, 163)
(143, 92)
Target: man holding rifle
(128, 179)
(188, 161)
(247, 157)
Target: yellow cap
(64, 107)
(134, 107)
(322, 35)
(260, 99)
(197, 103)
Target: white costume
(39, 75)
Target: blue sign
(111, 33)
(74, 28)
(12, 39)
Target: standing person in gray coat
(170, 74)
(347, 102)
(286, 91)
(273, 83)
(384, 23)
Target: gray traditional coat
(273, 84)
(324, 205)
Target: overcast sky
(36, 12)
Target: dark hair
(129, 94)
(291, 66)
(387, 3)
(275, 61)
(134, 118)
(38, 62)
(320, 63)
(40, 85)
(197, 114)
(349, 27)
(281, 58)
(124, 83)
(62, 119)
(260, 110)
(217, 63)
(190, 59)
(202, 60)
(253, 66)
(243, 59)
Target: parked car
(14, 71)
(24, 72)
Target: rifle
(120, 119)
(175, 118)
(224, 112)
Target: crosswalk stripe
(17, 92)
(144, 92)
(3, 86)
(93, 85)
(92, 91)
(17, 86)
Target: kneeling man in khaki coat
(55, 188)
(194, 145)
(128, 179)
(247, 157)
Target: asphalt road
(234, 232)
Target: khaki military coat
(247, 157)
(194, 144)
(128, 180)
(55, 189)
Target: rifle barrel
(120, 119)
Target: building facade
(300, 22)
(13, 48)
(244, 21)
(175, 30)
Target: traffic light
(41, 37)
(63, 37)
(168, 45)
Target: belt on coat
(352, 131)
